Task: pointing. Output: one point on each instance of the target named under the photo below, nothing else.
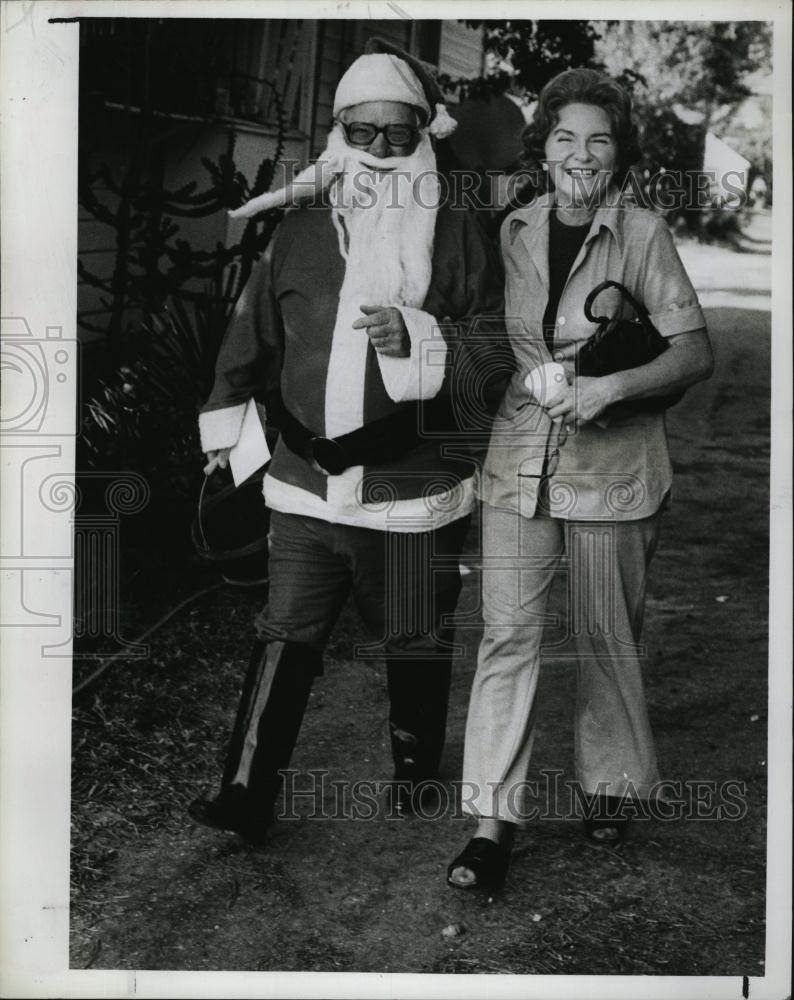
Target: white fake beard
(389, 220)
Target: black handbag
(620, 344)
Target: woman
(566, 476)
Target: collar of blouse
(532, 222)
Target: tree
(703, 66)
(688, 78)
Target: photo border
(39, 67)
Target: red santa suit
(373, 477)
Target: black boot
(274, 698)
(419, 695)
(605, 820)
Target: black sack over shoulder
(620, 344)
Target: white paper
(251, 451)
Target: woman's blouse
(565, 242)
(616, 469)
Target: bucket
(230, 530)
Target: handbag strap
(640, 310)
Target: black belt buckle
(328, 454)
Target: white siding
(460, 50)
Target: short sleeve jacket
(614, 469)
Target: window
(252, 70)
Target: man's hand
(386, 330)
(584, 401)
(216, 460)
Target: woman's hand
(386, 330)
(566, 356)
(216, 460)
(584, 401)
(687, 360)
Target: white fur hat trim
(380, 76)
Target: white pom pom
(443, 124)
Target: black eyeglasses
(365, 133)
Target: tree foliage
(703, 66)
(688, 78)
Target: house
(161, 97)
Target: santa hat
(386, 73)
(383, 73)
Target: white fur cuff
(421, 375)
(221, 428)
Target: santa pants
(606, 565)
(403, 585)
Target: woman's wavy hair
(581, 86)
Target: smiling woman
(581, 156)
(565, 105)
(565, 478)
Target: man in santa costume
(356, 334)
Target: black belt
(376, 443)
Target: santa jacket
(281, 346)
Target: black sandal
(486, 859)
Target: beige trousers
(606, 564)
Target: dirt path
(152, 891)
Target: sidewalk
(724, 277)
